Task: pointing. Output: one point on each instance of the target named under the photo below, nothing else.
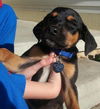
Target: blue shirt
(11, 85)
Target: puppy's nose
(53, 30)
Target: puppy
(58, 32)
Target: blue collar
(63, 53)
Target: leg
(69, 93)
(75, 90)
(14, 62)
(70, 97)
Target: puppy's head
(62, 28)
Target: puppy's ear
(37, 30)
(90, 43)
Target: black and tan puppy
(59, 32)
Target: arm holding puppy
(49, 89)
(12, 61)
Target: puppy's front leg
(70, 93)
(12, 61)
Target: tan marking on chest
(69, 70)
(45, 74)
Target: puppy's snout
(53, 30)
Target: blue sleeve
(12, 88)
(8, 23)
(19, 82)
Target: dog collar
(64, 53)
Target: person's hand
(48, 60)
(29, 72)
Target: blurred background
(35, 10)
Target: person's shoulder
(8, 7)
(8, 10)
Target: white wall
(85, 6)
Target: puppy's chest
(69, 70)
(45, 74)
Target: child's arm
(14, 62)
(38, 90)
(30, 71)
(48, 90)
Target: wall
(35, 10)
